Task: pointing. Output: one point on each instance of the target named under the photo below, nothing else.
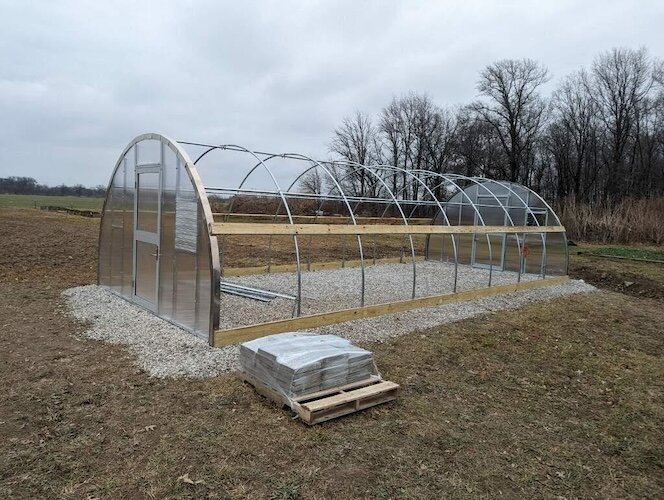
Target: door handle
(156, 253)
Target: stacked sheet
(297, 364)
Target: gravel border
(163, 350)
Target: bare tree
(416, 135)
(572, 136)
(355, 141)
(602, 136)
(476, 147)
(514, 109)
(621, 80)
(312, 182)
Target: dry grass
(629, 221)
(564, 399)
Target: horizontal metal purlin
(363, 199)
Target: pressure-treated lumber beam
(237, 228)
(242, 334)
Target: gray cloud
(79, 79)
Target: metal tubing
(442, 211)
(403, 215)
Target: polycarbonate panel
(117, 239)
(149, 152)
(105, 247)
(204, 274)
(556, 254)
(512, 254)
(146, 271)
(524, 207)
(185, 244)
(185, 288)
(489, 251)
(442, 248)
(167, 245)
(128, 231)
(533, 253)
(117, 229)
(177, 281)
(464, 248)
(147, 202)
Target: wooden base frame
(244, 333)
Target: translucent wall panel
(104, 265)
(556, 254)
(179, 280)
(204, 273)
(149, 152)
(128, 216)
(186, 247)
(167, 268)
(116, 216)
(533, 254)
(147, 203)
(502, 203)
(115, 251)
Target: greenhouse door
(146, 235)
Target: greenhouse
(261, 243)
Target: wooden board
(244, 333)
(333, 403)
(260, 228)
(316, 266)
(346, 402)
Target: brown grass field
(557, 400)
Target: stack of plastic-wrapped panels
(297, 364)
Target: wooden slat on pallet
(333, 403)
(345, 403)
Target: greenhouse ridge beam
(258, 228)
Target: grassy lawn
(35, 201)
(628, 252)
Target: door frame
(146, 236)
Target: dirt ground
(556, 400)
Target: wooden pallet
(332, 403)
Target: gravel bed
(161, 348)
(381, 328)
(335, 289)
(164, 350)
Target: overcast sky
(78, 80)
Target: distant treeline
(597, 138)
(28, 185)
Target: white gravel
(164, 350)
(335, 289)
(161, 348)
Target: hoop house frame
(159, 247)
